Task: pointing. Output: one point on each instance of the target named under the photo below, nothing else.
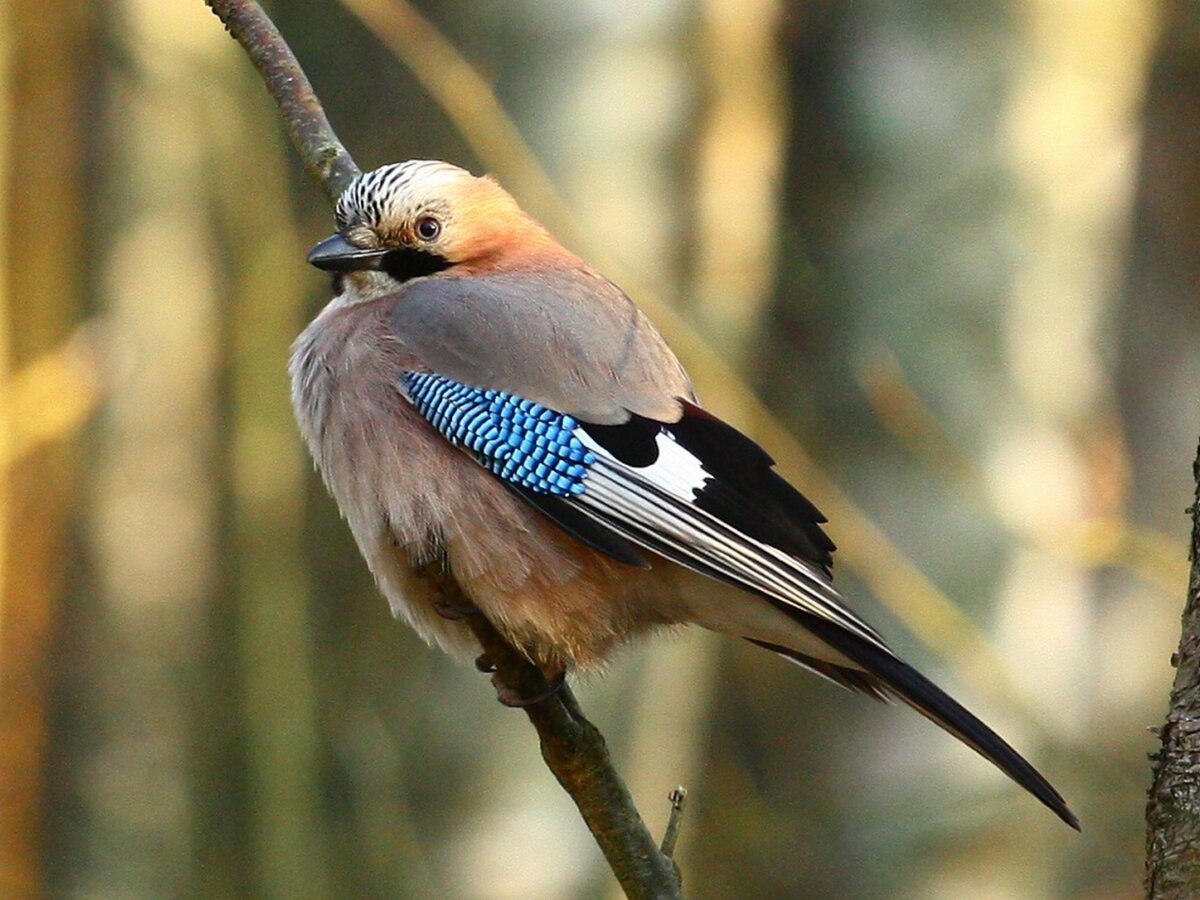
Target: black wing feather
(747, 492)
(633, 442)
(582, 526)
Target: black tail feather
(904, 682)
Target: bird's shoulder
(561, 336)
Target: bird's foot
(512, 698)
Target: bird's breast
(373, 450)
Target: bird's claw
(514, 700)
(449, 609)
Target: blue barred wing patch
(521, 441)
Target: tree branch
(572, 747)
(1173, 810)
(323, 155)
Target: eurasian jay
(476, 397)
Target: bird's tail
(885, 674)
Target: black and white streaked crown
(383, 194)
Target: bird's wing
(696, 491)
(568, 340)
(700, 493)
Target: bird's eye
(428, 228)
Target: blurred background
(941, 257)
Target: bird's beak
(336, 254)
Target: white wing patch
(676, 471)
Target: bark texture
(1173, 812)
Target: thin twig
(323, 155)
(678, 798)
(572, 747)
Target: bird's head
(420, 217)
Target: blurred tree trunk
(1163, 322)
(44, 46)
(1158, 366)
(270, 628)
(137, 700)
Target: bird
(481, 402)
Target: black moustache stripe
(405, 263)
